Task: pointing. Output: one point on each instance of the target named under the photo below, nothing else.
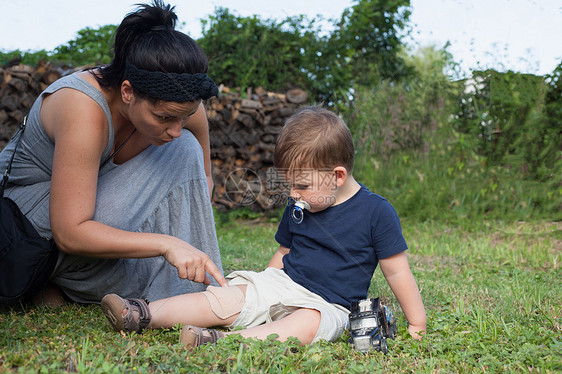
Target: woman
(103, 170)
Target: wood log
(251, 104)
(297, 96)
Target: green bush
(402, 115)
(553, 131)
(514, 126)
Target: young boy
(333, 233)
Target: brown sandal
(113, 305)
(192, 336)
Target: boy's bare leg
(301, 324)
(194, 309)
(188, 309)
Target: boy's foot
(130, 315)
(193, 337)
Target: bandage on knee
(225, 301)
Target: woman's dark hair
(146, 39)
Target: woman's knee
(185, 154)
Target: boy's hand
(416, 331)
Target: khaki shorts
(272, 295)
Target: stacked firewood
(243, 132)
(19, 87)
(243, 129)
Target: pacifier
(298, 211)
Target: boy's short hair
(316, 138)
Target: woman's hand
(191, 262)
(199, 126)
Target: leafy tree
(91, 47)
(369, 39)
(364, 47)
(248, 51)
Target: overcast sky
(519, 35)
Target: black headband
(170, 86)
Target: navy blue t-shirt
(334, 252)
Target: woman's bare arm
(199, 126)
(78, 128)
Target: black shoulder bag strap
(9, 168)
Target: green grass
(492, 292)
